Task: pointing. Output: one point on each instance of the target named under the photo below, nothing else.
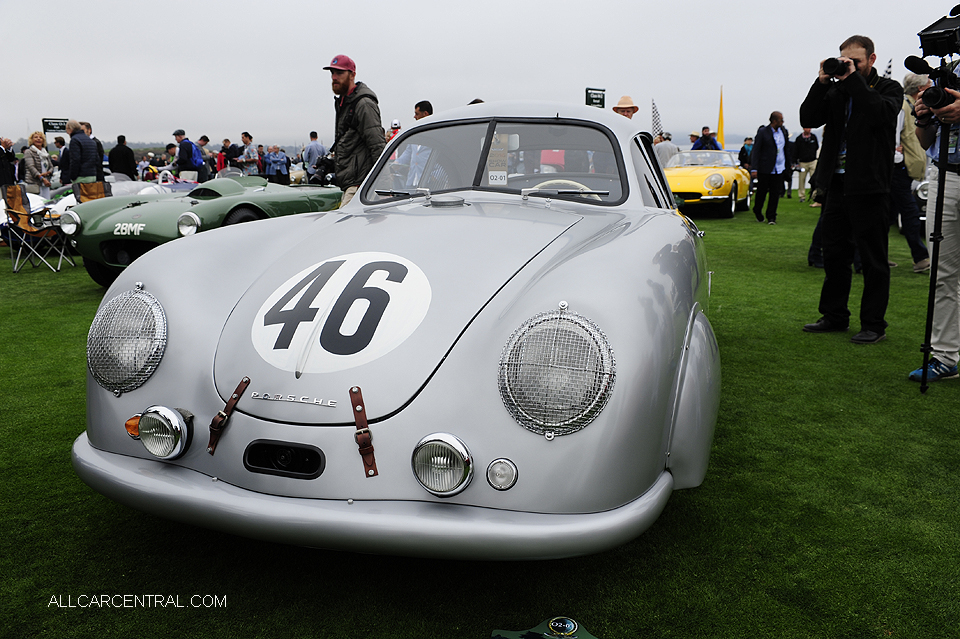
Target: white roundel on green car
(340, 313)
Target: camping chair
(35, 234)
(91, 191)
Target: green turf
(830, 508)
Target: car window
(546, 159)
(650, 175)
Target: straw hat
(626, 102)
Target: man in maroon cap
(359, 133)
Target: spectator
(208, 160)
(123, 164)
(85, 161)
(626, 107)
(8, 160)
(806, 146)
(311, 153)
(666, 149)
(250, 159)
(744, 156)
(38, 166)
(360, 137)
(694, 136)
(768, 162)
(706, 141)
(189, 157)
(88, 129)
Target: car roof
(623, 127)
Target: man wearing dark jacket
(122, 160)
(83, 155)
(859, 111)
(769, 160)
(359, 133)
(7, 158)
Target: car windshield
(702, 158)
(547, 159)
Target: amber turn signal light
(133, 426)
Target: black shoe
(868, 337)
(823, 325)
(759, 216)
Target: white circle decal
(340, 313)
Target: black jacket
(84, 160)
(805, 149)
(869, 131)
(360, 138)
(7, 171)
(123, 161)
(763, 157)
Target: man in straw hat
(626, 107)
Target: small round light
(442, 464)
(923, 190)
(502, 474)
(70, 223)
(715, 181)
(163, 432)
(188, 223)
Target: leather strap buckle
(219, 421)
(362, 435)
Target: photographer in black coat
(859, 111)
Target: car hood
(376, 300)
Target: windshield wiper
(407, 192)
(526, 193)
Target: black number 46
(331, 338)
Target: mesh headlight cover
(126, 341)
(556, 373)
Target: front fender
(696, 405)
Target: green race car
(112, 232)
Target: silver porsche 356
(498, 350)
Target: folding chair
(91, 191)
(35, 235)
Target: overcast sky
(218, 68)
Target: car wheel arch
(243, 213)
(696, 404)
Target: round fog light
(163, 432)
(188, 223)
(502, 474)
(442, 464)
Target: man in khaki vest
(910, 164)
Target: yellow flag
(720, 125)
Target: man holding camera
(945, 338)
(858, 109)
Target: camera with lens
(936, 97)
(836, 67)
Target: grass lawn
(830, 508)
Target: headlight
(70, 223)
(923, 190)
(556, 373)
(163, 432)
(715, 181)
(442, 464)
(126, 341)
(188, 224)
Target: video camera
(941, 39)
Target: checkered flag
(657, 127)
(889, 72)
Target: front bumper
(411, 528)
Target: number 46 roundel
(340, 313)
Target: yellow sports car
(709, 178)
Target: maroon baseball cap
(341, 63)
